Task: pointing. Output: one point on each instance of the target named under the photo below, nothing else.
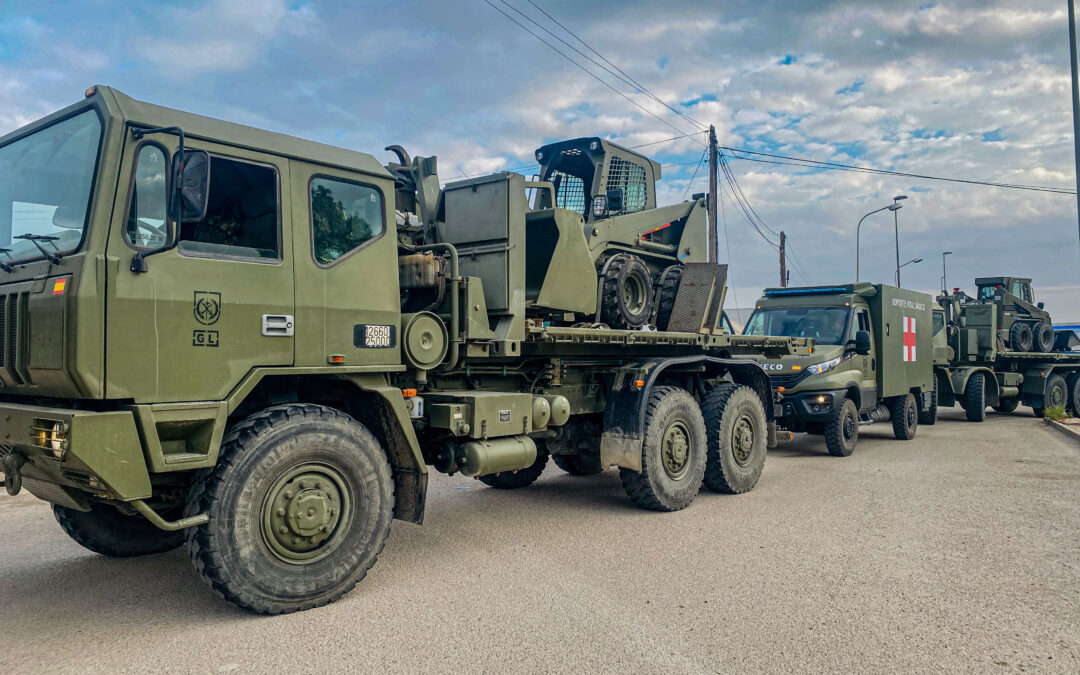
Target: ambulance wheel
(626, 300)
(929, 416)
(1021, 337)
(511, 480)
(842, 431)
(1007, 405)
(737, 434)
(107, 531)
(905, 416)
(1042, 337)
(975, 397)
(673, 454)
(665, 297)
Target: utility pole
(1075, 104)
(783, 259)
(713, 196)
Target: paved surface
(957, 551)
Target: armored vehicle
(872, 359)
(225, 338)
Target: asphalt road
(959, 550)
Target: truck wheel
(842, 431)
(579, 465)
(1042, 337)
(1007, 405)
(1055, 394)
(737, 435)
(665, 297)
(929, 416)
(672, 455)
(577, 450)
(300, 505)
(975, 397)
(111, 533)
(511, 480)
(627, 297)
(905, 417)
(1021, 337)
(1074, 394)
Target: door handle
(277, 325)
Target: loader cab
(995, 288)
(596, 178)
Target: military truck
(871, 361)
(255, 345)
(977, 363)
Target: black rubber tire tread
(1055, 381)
(1042, 337)
(214, 548)
(1021, 337)
(651, 488)
(107, 531)
(1007, 406)
(613, 309)
(904, 426)
(929, 416)
(1073, 383)
(834, 430)
(665, 297)
(579, 465)
(512, 480)
(720, 407)
(1039, 412)
(581, 435)
(975, 397)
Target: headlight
(824, 366)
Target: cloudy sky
(973, 90)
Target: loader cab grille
(630, 178)
(569, 191)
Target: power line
(727, 248)
(666, 140)
(696, 169)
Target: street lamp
(896, 229)
(944, 285)
(913, 261)
(891, 207)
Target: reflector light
(408, 393)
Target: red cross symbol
(909, 338)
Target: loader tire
(975, 397)
(512, 480)
(665, 297)
(1021, 337)
(673, 454)
(737, 433)
(626, 300)
(842, 431)
(300, 505)
(905, 416)
(1042, 337)
(107, 531)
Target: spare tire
(1020, 337)
(627, 297)
(665, 297)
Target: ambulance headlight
(824, 366)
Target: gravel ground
(959, 550)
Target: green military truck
(872, 359)
(255, 346)
(984, 357)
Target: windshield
(45, 182)
(988, 292)
(827, 325)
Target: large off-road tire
(975, 397)
(905, 416)
(737, 433)
(577, 448)
(665, 297)
(1055, 394)
(626, 300)
(1020, 337)
(842, 431)
(1042, 337)
(300, 505)
(105, 530)
(1007, 405)
(929, 416)
(673, 454)
(1073, 384)
(511, 480)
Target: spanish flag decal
(58, 286)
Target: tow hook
(12, 465)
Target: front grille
(13, 334)
(786, 380)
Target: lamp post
(896, 229)
(944, 283)
(891, 207)
(913, 261)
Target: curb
(1070, 430)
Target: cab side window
(242, 215)
(146, 228)
(344, 217)
(861, 322)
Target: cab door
(195, 323)
(869, 362)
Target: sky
(973, 90)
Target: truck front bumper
(61, 454)
(812, 406)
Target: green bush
(1056, 412)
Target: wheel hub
(742, 440)
(305, 512)
(676, 450)
(849, 427)
(633, 295)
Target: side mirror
(862, 342)
(193, 188)
(615, 200)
